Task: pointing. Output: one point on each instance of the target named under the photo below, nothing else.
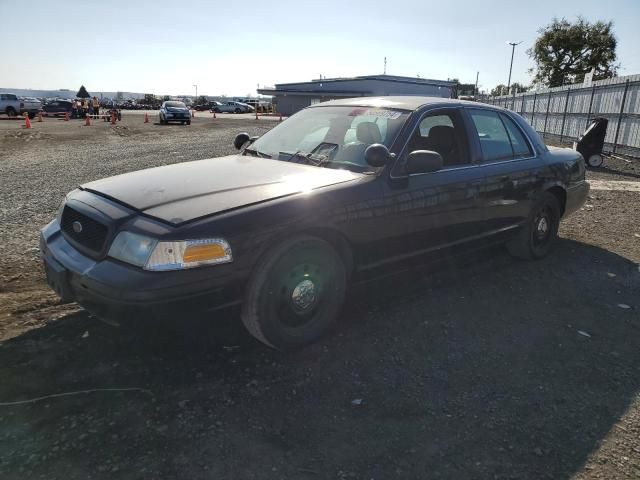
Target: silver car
(231, 107)
(173, 111)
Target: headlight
(153, 255)
(132, 248)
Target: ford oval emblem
(77, 226)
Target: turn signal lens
(188, 254)
(201, 253)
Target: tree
(166, 98)
(82, 93)
(564, 52)
(502, 89)
(201, 100)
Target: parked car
(341, 190)
(58, 107)
(257, 104)
(10, 104)
(173, 111)
(231, 107)
(31, 106)
(205, 107)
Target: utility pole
(475, 91)
(513, 48)
(385, 66)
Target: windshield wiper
(257, 153)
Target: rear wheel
(237, 110)
(295, 294)
(537, 236)
(11, 111)
(188, 122)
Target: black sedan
(174, 112)
(341, 190)
(58, 107)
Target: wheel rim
(542, 227)
(300, 294)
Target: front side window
(442, 132)
(499, 137)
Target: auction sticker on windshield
(376, 112)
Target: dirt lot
(478, 367)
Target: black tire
(295, 293)
(537, 237)
(32, 115)
(216, 110)
(188, 122)
(237, 110)
(11, 112)
(162, 122)
(595, 161)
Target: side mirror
(241, 139)
(377, 155)
(423, 161)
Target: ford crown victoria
(342, 189)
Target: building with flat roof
(291, 97)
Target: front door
(437, 209)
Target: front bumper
(112, 289)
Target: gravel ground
(475, 367)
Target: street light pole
(513, 48)
(196, 91)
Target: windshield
(175, 105)
(331, 136)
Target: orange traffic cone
(193, 113)
(40, 116)
(256, 114)
(113, 118)
(27, 122)
(66, 116)
(146, 118)
(280, 117)
(87, 121)
(214, 115)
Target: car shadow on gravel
(479, 366)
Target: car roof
(404, 102)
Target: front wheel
(537, 236)
(295, 293)
(237, 110)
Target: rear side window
(520, 146)
(500, 138)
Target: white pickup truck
(12, 105)
(31, 106)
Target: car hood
(186, 191)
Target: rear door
(510, 165)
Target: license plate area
(58, 280)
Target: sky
(229, 48)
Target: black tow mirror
(423, 161)
(241, 139)
(377, 155)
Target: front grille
(92, 234)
